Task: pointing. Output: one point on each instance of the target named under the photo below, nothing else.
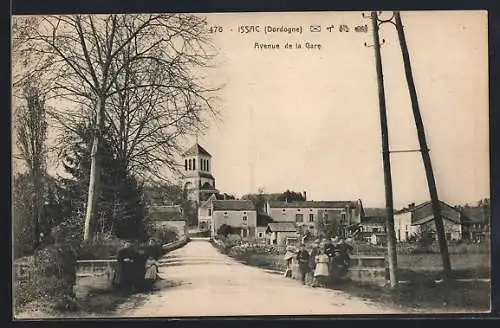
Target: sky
(308, 119)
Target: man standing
(303, 259)
(314, 252)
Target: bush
(39, 287)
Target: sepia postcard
(249, 164)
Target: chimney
(305, 195)
(410, 206)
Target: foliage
(121, 207)
(327, 227)
(22, 214)
(31, 134)
(291, 196)
(226, 230)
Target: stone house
(415, 220)
(373, 222)
(479, 217)
(238, 214)
(305, 214)
(168, 217)
(281, 233)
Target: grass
(421, 295)
(444, 297)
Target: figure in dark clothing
(329, 249)
(314, 252)
(303, 259)
(127, 257)
(344, 249)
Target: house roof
(233, 205)
(423, 213)
(196, 149)
(313, 204)
(166, 213)
(376, 212)
(281, 227)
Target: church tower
(198, 182)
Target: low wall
(175, 244)
(104, 274)
(363, 269)
(95, 275)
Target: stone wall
(363, 269)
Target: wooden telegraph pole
(436, 206)
(391, 236)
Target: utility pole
(391, 236)
(436, 206)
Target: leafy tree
(122, 209)
(291, 196)
(131, 73)
(224, 230)
(22, 214)
(31, 133)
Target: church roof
(197, 150)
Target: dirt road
(205, 282)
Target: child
(321, 272)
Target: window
(311, 217)
(342, 216)
(208, 166)
(298, 210)
(375, 230)
(201, 164)
(225, 213)
(299, 217)
(194, 164)
(245, 218)
(311, 227)
(185, 164)
(209, 212)
(189, 164)
(260, 234)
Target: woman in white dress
(321, 273)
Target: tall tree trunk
(95, 174)
(37, 208)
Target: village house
(305, 214)
(168, 218)
(414, 220)
(240, 215)
(282, 233)
(372, 227)
(479, 217)
(263, 221)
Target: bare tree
(31, 133)
(129, 71)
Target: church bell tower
(198, 182)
